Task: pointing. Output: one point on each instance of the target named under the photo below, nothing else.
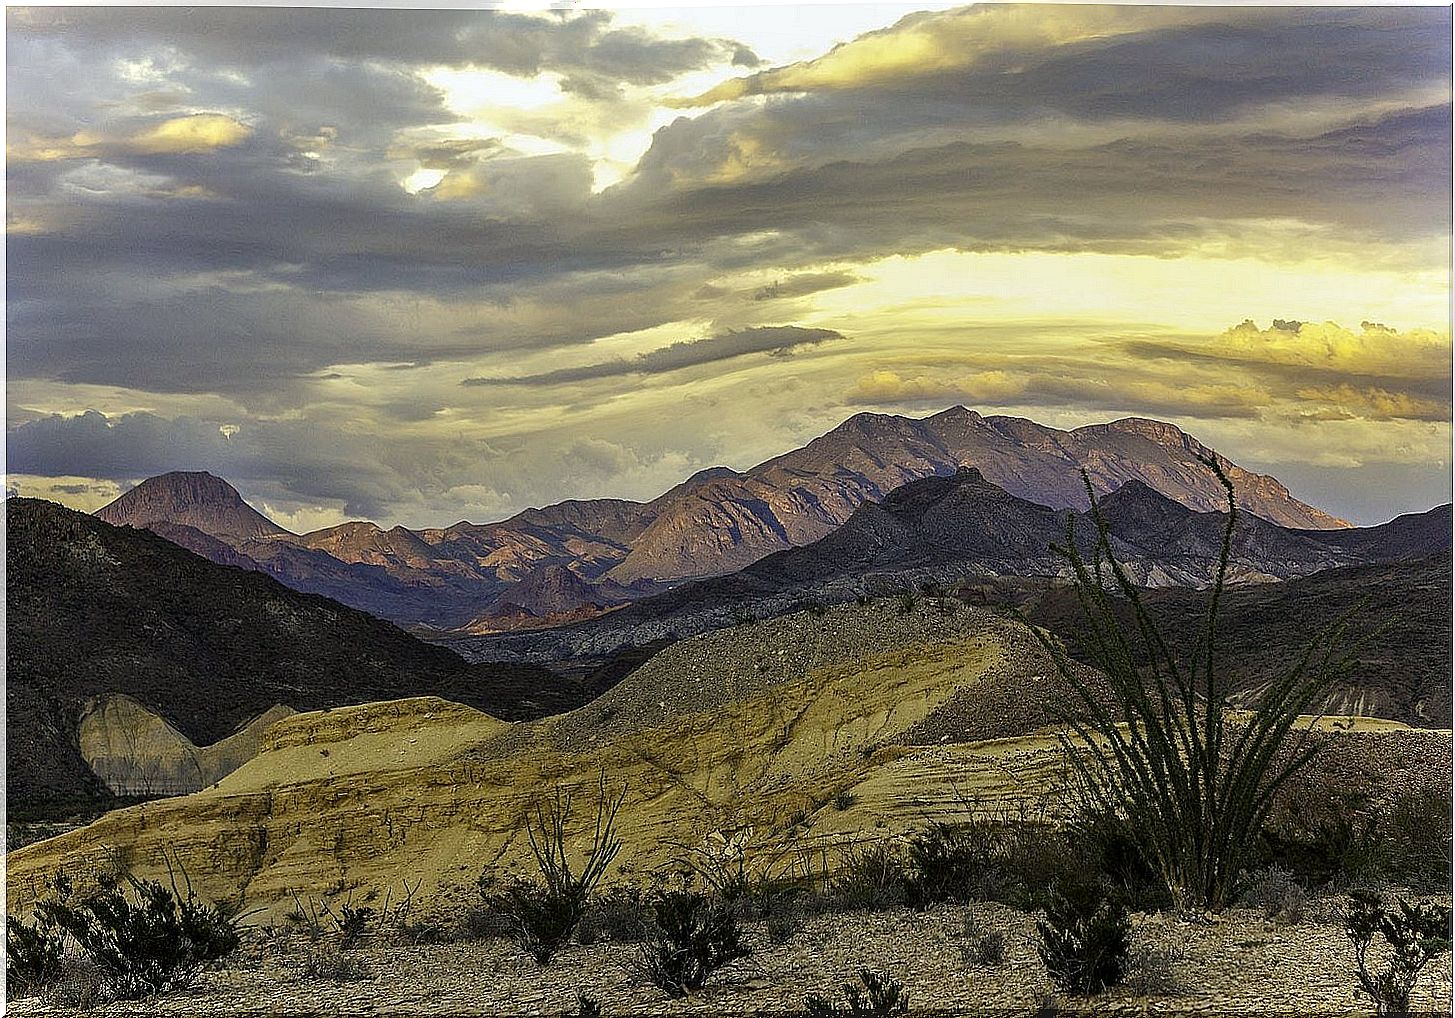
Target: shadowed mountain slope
(95, 610)
(1402, 672)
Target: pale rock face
(136, 752)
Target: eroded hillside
(816, 730)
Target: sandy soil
(1235, 963)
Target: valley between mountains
(825, 652)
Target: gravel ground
(1235, 963)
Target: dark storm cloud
(777, 340)
(100, 292)
(519, 44)
(257, 260)
(1184, 64)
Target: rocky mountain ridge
(465, 576)
(946, 531)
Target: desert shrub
(780, 928)
(1105, 844)
(1157, 747)
(152, 940)
(1031, 859)
(954, 863)
(908, 602)
(586, 1007)
(721, 863)
(620, 914)
(1336, 848)
(353, 925)
(348, 924)
(982, 948)
(1413, 936)
(869, 877)
(545, 910)
(331, 963)
(1415, 830)
(1278, 893)
(845, 801)
(691, 937)
(1151, 969)
(881, 994)
(1084, 938)
(480, 922)
(33, 954)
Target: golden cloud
(195, 134)
(883, 387)
(1374, 350)
(929, 43)
(1372, 403)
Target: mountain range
(580, 557)
(944, 531)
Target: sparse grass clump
(982, 948)
(1151, 969)
(881, 994)
(780, 928)
(869, 877)
(1413, 936)
(330, 963)
(1278, 894)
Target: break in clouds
(416, 266)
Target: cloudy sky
(425, 266)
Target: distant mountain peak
(1160, 432)
(956, 413)
(193, 498)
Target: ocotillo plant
(1161, 751)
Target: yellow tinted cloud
(1374, 349)
(202, 132)
(883, 387)
(927, 43)
(190, 135)
(1372, 403)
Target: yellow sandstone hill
(762, 725)
(815, 730)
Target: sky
(424, 266)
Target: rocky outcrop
(95, 610)
(738, 729)
(135, 752)
(812, 732)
